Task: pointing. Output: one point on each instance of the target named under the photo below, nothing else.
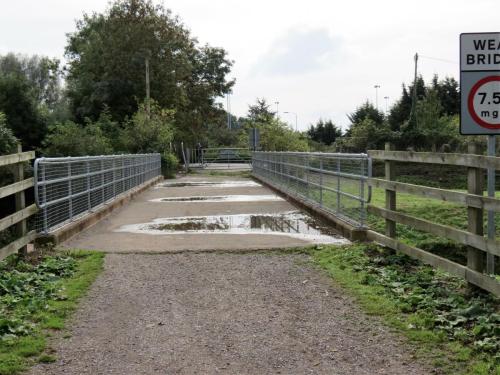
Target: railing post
(102, 181)
(475, 257)
(320, 182)
(21, 227)
(44, 199)
(70, 201)
(114, 177)
(390, 195)
(338, 185)
(89, 203)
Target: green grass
(37, 299)
(455, 331)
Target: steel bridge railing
(71, 187)
(335, 182)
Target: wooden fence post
(21, 227)
(390, 195)
(475, 179)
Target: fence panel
(335, 182)
(19, 218)
(68, 188)
(478, 245)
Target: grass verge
(454, 329)
(36, 297)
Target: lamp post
(277, 104)
(376, 94)
(296, 122)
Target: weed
(430, 307)
(37, 295)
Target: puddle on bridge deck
(225, 198)
(291, 224)
(219, 184)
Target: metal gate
(68, 188)
(220, 157)
(335, 182)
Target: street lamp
(376, 94)
(296, 122)
(277, 104)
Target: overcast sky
(318, 58)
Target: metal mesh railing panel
(335, 182)
(68, 188)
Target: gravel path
(223, 314)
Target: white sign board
(480, 83)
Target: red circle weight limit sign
(484, 102)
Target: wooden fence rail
(478, 245)
(19, 218)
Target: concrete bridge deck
(112, 235)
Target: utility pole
(414, 95)
(148, 94)
(277, 112)
(376, 95)
(228, 107)
(386, 104)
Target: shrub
(169, 164)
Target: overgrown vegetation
(456, 329)
(36, 296)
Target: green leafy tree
(42, 74)
(24, 118)
(325, 132)
(448, 93)
(366, 111)
(275, 135)
(366, 135)
(400, 111)
(70, 139)
(260, 112)
(148, 130)
(8, 141)
(107, 57)
(434, 129)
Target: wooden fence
(19, 218)
(474, 200)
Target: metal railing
(335, 182)
(202, 157)
(68, 188)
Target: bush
(70, 139)
(169, 165)
(8, 141)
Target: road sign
(480, 83)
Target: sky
(317, 58)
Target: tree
(448, 94)
(366, 111)
(70, 139)
(8, 141)
(325, 132)
(107, 57)
(260, 112)
(22, 112)
(400, 111)
(366, 135)
(42, 74)
(148, 130)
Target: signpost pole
(490, 258)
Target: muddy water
(219, 184)
(292, 224)
(225, 198)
